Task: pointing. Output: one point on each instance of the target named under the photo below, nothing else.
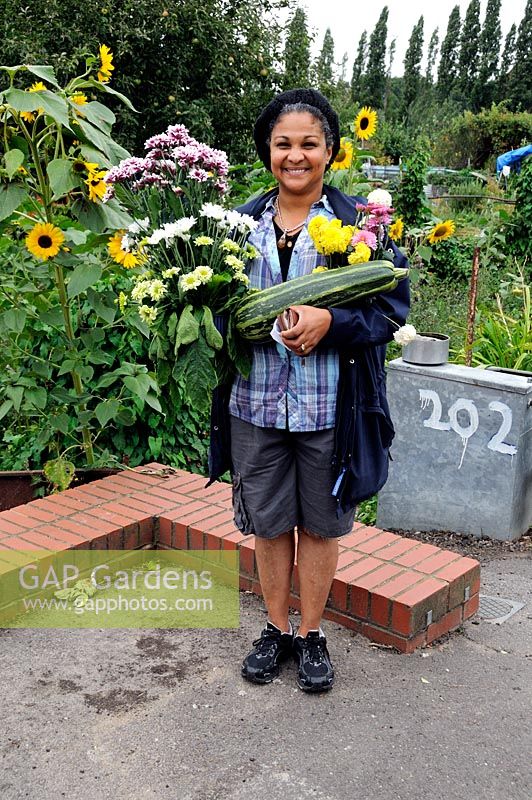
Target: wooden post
(473, 286)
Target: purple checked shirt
(283, 390)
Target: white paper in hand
(275, 333)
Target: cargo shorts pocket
(241, 516)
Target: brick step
(392, 589)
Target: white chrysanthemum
(234, 262)
(126, 243)
(187, 282)
(147, 314)
(170, 272)
(203, 274)
(230, 246)
(203, 240)
(213, 211)
(405, 334)
(156, 237)
(380, 197)
(140, 291)
(242, 222)
(157, 289)
(139, 225)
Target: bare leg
(275, 562)
(316, 562)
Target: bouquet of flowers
(189, 253)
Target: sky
(347, 19)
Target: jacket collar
(341, 204)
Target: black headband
(310, 97)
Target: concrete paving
(137, 714)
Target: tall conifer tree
(490, 45)
(520, 88)
(448, 67)
(432, 55)
(375, 78)
(468, 61)
(297, 52)
(359, 67)
(507, 63)
(325, 65)
(412, 65)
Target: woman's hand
(311, 327)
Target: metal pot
(430, 349)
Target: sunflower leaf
(62, 179)
(44, 72)
(10, 199)
(103, 87)
(13, 159)
(83, 277)
(98, 114)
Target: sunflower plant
(58, 299)
(346, 167)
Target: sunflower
(44, 240)
(366, 123)
(106, 58)
(29, 116)
(121, 256)
(97, 185)
(395, 231)
(345, 155)
(441, 231)
(79, 99)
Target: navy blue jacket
(363, 428)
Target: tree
(520, 88)
(432, 55)
(208, 65)
(359, 66)
(490, 45)
(375, 78)
(297, 52)
(448, 68)
(507, 62)
(325, 65)
(468, 61)
(391, 56)
(412, 64)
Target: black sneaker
(316, 672)
(261, 665)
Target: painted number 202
(465, 431)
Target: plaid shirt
(283, 390)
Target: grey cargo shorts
(283, 479)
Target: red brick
(131, 537)
(417, 554)
(69, 503)
(227, 527)
(436, 562)
(165, 531)
(41, 541)
(380, 606)
(58, 533)
(247, 556)
(410, 607)
(182, 513)
(95, 491)
(212, 542)
(177, 498)
(148, 507)
(343, 619)
(471, 606)
(87, 529)
(360, 567)
(195, 482)
(359, 536)
(461, 574)
(7, 527)
(38, 514)
(115, 520)
(15, 543)
(145, 528)
(359, 594)
(391, 552)
(449, 621)
(196, 530)
(18, 518)
(377, 542)
(222, 494)
(118, 487)
(404, 645)
(83, 498)
(180, 481)
(245, 584)
(157, 504)
(338, 594)
(348, 557)
(231, 540)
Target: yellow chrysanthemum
(121, 256)
(106, 59)
(441, 231)
(360, 255)
(29, 116)
(366, 123)
(344, 158)
(203, 241)
(97, 186)
(44, 240)
(395, 231)
(330, 237)
(122, 302)
(320, 269)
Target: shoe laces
(267, 638)
(315, 648)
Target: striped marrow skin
(256, 313)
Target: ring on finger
(302, 348)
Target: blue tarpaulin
(513, 158)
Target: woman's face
(298, 152)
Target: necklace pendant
(281, 243)
(289, 244)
